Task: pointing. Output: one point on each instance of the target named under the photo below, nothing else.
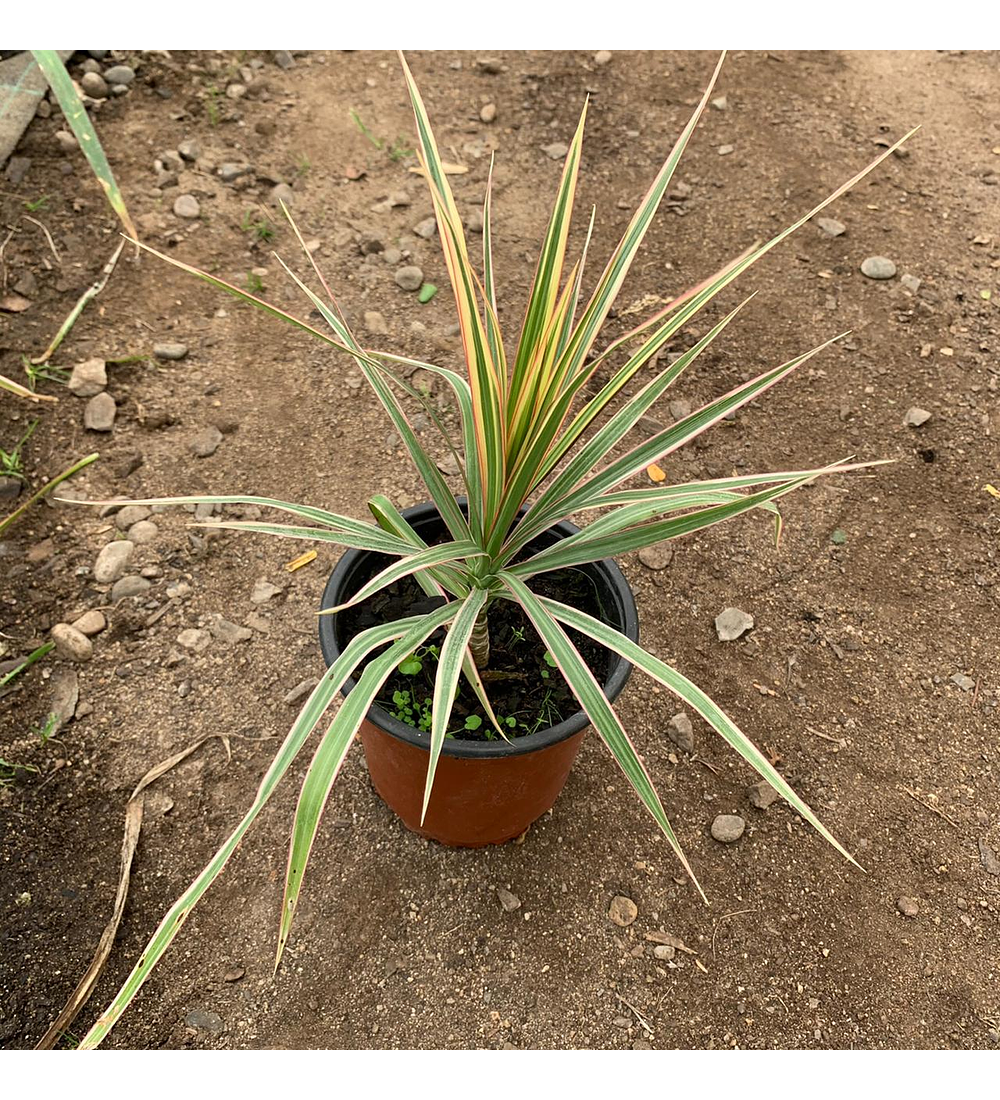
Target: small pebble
(283, 59)
(99, 414)
(195, 640)
(112, 561)
(656, 557)
(263, 591)
(143, 532)
(189, 151)
(907, 906)
(186, 206)
(681, 732)
(728, 828)
(301, 691)
(732, 623)
(170, 351)
(720, 103)
(131, 514)
(489, 113)
(557, 150)
(602, 57)
(622, 911)
(410, 277)
(128, 587)
(915, 416)
(119, 74)
(205, 442)
(426, 229)
(508, 901)
(725, 150)
(282, 193)
(94, 85)
(90, 623)
(88, 378)
(230, 633)
(911, 282)
(205, 1021)
(960, 680)
(72, 643)
(65, 140)
(762, 794)
(878, 267)
(831, 227)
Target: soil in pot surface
(527, 691)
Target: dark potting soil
(526, 691)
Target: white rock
(731, 623)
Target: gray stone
(189, 150)
(88, 378)
(300, 692)
(656, 557)
(679, 408)
(90, 623)
(127, 587)
(664, 951)
(509, 901)
(205, 1021)
(65, 140)
(392, 256)
(878, 267)
(143, 532)
(93, 84)
(65, 697)
(988, 859)
(205, 442)
(119, 74)
(71, 644)
(230, 171)
(17, 169)
(410, 277)
(426, 229)
(130, 514)
(170, 351)
(187, 206)
(725, 150)
(731, 623)
(915, 416)
(728, 828)
(557, 150)
(831, 227)
(263, 591)
(283, 59)
(681, 732)
(762, 794)
(195, 640)
(230, 633)
(112, 561)
(99, 414)
(119, 89)
(907, 906)
(966, 683)
(911, 282)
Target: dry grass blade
(133, 825)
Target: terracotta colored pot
(485, 792)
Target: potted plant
(435, 612)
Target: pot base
(475, 801)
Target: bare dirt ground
(848, 678)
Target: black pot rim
(333, 595)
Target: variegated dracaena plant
(532, 433)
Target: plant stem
(479, 642)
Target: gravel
(907, 906)
(91, 623)
(426, 229)
(681, 732)
(557, 150)
(94, 85)
(128, 587)
(915, 416)
(130, 514)
(656, 557)
(488, 113)
(230, 633)
(300, 692)
(263, 591)
(119, 74)
(112, 561)
(762, 794)
(732, 623)
(622, 911)
(170, 351)
(282, 193)
(375, 323)
(89, 378)
(728, 828)
(143, 532)
(409, 277)
(508, 901)
(99, 415)
(831, 227)
(878, 267)
(72, 643)
(186, 206)
(195, 640)
(205, 442)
